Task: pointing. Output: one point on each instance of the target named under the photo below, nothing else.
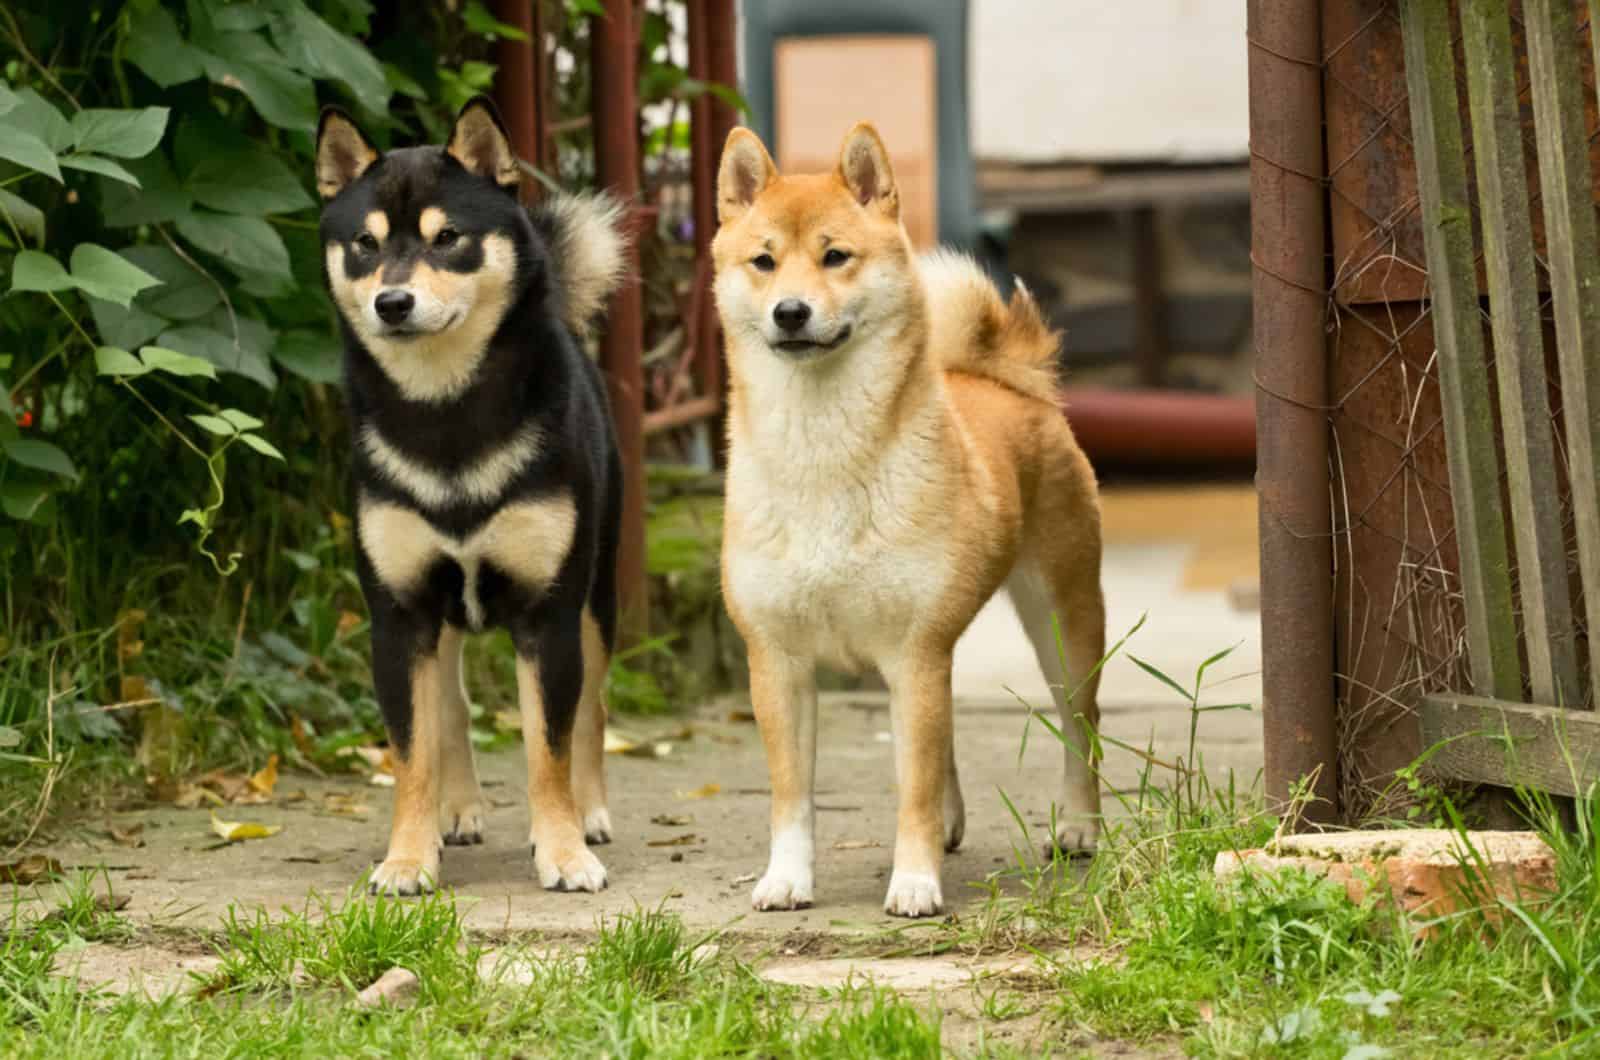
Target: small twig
(48, 787)
(44, 71)
(238, 635)
(176, 248)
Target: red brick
(1421, 870)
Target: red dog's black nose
(791, 314)
(394, 306)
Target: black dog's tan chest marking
(526, 541)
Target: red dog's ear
(343, 153)
(744, 174)
(480, 143)
(864, 168)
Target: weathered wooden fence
(1494, 735)
(1428, 337)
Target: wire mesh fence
(1400, 626)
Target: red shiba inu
(896, 455)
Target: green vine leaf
(23, 501)
(261, 445)
(156, 47)
(34, 270)
(171, 361)
(36, 116)
(24, 214)
(101, 166)
(106, 274)
(121, 133)
(26, 149)
(41, 456)
(214, 424)
(241, 421)
(112, 361)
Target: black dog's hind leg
(461, 805)
(589, 737)
(550, 679)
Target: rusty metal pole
(516, 88)
(614, 100)
(722, 62)
(713, 57)
(704, 151)
(1287, 247)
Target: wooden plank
(1574, 256)
(1463, 377)
(1085, 189)
(1490, 741)
(1529, 441)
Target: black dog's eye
(366, 243)
(834, 258)
(763, 262)
(446, 237)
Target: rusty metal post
(704, 149)
(614, 100)
(713, 57)
(1287, 218)
(516, 89)
(722, 58)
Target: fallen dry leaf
(111, 903)
(741, 715)
(190, 796)
(687, 839)
(856, 844)
(672, 820)
(297, 795)
(397, 986)
(131, 836)
(508, 721)
(237, 831)
(618, 744)
(30, 869)
(748, 877)
(381, 780)
(348, 620)
(264, 780)
(128, 643)
(379, 759)
(704, 791)
(344, 804)
(301, 738)
(676, 892)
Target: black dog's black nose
(394, 306)
(791, 314)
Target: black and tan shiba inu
(486, 480)
(896, 455)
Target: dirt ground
(1175, 556)
(698, 855)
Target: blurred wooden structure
(526, 102)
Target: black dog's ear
(343, 153)
(479, 142)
